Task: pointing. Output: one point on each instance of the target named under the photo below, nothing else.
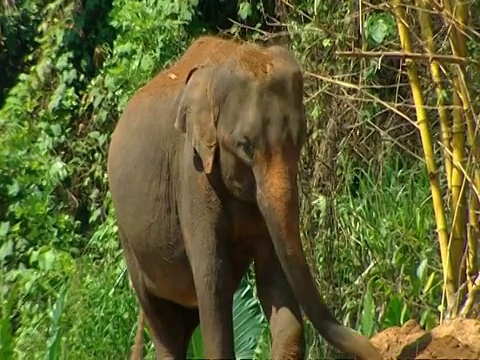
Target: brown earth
(454, 339)
(212, 49)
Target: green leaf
(248, 325)
(378, 31)
(4, 228)
(58, 169)
(264, 345)
(326, 43)
(404, 316)
(53, 342)
(248, 321)
(429, 283)
(6, 338)
(6, 249)
(367, 320)
(94, 134)
(64, 61)
(46, 259)
(380, 26)
(57, 97)
(13, 189)
(393, 314)
(245, 10)
(56, 129)
(70, 76)
(195, 349)
(421, 269)
(146, 64)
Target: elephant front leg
(279, 305)
(212, 276)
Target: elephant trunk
(277, 197)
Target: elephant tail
(137, 347)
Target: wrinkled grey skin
(202, 168)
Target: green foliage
(6, 337)
(53, 342)
(380, 264)
(248, 320)
(386, 256)
(18, 28)
(380, 28)
(392, 238)
(245, 10)
(100, 315)
(56, 212)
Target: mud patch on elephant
(455, 339)
(202, 50)
(255, 61)
(214, 50)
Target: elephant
(202, 168)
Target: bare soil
(454, 339)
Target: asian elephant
(202, 169)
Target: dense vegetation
(67, 69)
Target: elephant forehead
(271, 120)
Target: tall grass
(379, 266)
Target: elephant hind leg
(171, 326)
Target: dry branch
(406, 55)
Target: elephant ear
(197, 114)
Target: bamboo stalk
(458, 150)
(426, 137)
(458, 193)
(427, 33)
(472, 240)
(459, 48)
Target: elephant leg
(213, 283)
(280, 306)
(172, 326)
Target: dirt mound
(454, 339)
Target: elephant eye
(245, 145)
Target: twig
(406, 55)
(473, 298)
(364, 274)
(366, 93)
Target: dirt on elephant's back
(454, 339)
(210, 49)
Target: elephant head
(250, 109)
